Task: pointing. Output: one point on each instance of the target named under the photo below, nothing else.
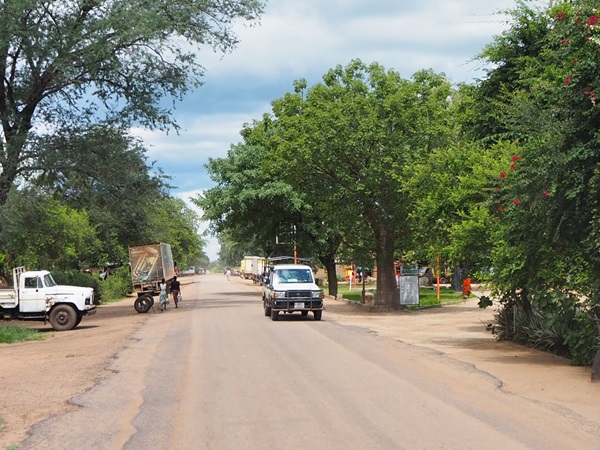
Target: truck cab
(289, 288)
(36, 296)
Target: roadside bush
(117, 285)
(77, 278)
(572, 335)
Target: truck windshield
(49, 281)
(294, 276)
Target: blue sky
(304, 39)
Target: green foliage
(12, 333)
(40, 232)
(78, 62)
(583, 340)
(116, 286)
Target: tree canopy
(110, 61)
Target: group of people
(174, 287)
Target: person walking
(175, 289)
(163, 298)
(228, 273)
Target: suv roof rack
(280, 259)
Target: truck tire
(274, 315)
(63, 318)
(318, 314)
(267, 308)
(78, 321)
(143, 304)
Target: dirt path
(37, 379)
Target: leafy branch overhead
(112, 61)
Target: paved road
(217, 374)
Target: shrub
(117, 285)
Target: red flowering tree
(547, 200)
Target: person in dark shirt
(175, 289)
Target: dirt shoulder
(459, 332)
(38, 378)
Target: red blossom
(516, 158)
(587, 38)
(566, 41)
(500, 208)
(547, 194)
(593, 20)
(517, 202)
(560, 15)
(568, 80)
(502, 175)
(512, 167)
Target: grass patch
(427, 297)
(10, 334)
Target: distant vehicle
(36, 296)
(187, 272)
(252, 268)
(289, 288)
(428, 276)
(201, 271)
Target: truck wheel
(318, 314)
(274, 315)
(78, 321)
(63, 318)
(267, 309)
(143, 304)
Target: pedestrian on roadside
(228, 273)
(163, 298)
(175, 289)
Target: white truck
(36, 296)
(289, 288)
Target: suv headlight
(279, 294)
(317, 294)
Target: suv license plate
(298, 305)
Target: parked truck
(149, 265)
(252, 268)
(35, 295)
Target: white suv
(291, 288)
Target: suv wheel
(267, 308)
(318, 314)
(274, 315)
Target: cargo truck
(252, 268)
(149, 265)
(35, 295)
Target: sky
(304, 39)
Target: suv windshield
(293, 276)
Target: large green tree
(360, 130)
(115, 60)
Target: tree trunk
(329, 263)
(387, 292)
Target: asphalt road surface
(217, 374)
